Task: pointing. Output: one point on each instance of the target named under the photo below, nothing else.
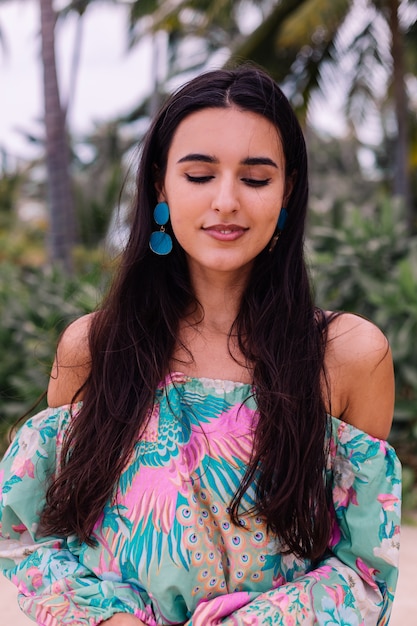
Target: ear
(159, 185)
(160, 192)
(289, 186)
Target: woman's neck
(219, 295)
(206, 346)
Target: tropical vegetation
(362, 237)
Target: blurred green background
(64, 215)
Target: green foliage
(10, 182)
(142, 9)
(409, 489)
(368, 265)
(36, 304)
(99, 181)
(358, 255)
(94, 212)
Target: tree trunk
(401, 186)
(61, 206)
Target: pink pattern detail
(388, 501)
(368, 573)
(19, 528)
(336, 593)
(22, 466)
(36, 577)
(210, 612)
(146, 616)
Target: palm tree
(108, 166)
(194, 29)
(186, 34)
(62, 220)
(302, 42)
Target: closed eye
(198, 179)
(256, 182)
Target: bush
(36, 304)
(369, 266)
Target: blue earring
(160, 242)
(280, 227)
(282, 218)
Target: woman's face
(225, 186)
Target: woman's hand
(123, 619)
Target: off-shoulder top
(166, 550)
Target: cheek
(268, 228)
(179, 219)
(184, 209)
(267, 234)
(271, 220)
(181, 224)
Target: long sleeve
(167, 552)
(55, 588)
(355, 584)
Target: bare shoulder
(351, 336)
(72, 363)
(361, 374)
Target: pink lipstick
(225, 232)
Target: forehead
(218, 131)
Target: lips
(225, 228)
(225, 232)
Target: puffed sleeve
(355, 583)
(54, 587)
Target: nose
(225, 198)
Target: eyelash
(252, 182)
(198, 179)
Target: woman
(194, 473)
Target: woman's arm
(361, 375)
(55, 586)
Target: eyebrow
(205, 158)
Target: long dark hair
(132, 339)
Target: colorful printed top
(166, 550)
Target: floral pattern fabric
(166, 550)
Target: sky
(110, 82)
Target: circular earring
(160, 242)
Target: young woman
(215, 448)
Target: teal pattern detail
(166, 549)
